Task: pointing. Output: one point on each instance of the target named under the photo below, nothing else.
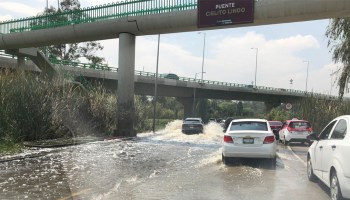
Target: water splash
(213, 134)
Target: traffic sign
(289, 106)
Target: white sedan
(328, 157)
(249, 138)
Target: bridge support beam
(126, 108)
(187, 102)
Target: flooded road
(165, 165)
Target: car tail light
(291, 129)
(310, 130)
(269, 139)
(228, 139)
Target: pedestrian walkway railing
(105, 67)
(96, 13)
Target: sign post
(225, 12)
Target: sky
(285, 51)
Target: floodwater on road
(164, 165)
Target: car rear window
(300, 125)
(248, 125)
(192, 121)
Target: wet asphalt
(165, 165)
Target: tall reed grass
(319, 112)
(32, 108)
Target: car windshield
(248, 125)
(301, 125)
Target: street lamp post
(155, 89)
(203, 53)
(194, 94)
(307, 73)
(256, 62)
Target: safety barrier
(96, 13)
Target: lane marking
(301, 160)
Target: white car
(249, 138)
(328, 157)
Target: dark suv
(276, 127)
(170, 76)
(192, 125)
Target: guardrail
(96, 13)
(186, 79)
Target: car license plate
(248, 140)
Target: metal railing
(96, 13)
(186, 79)
(83, 65)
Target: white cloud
(86, 3)
(277, 61)
(19, 8)
(5, 18)
(320, 80)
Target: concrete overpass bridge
(186, 90)
(128, 19)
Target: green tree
(73, 51)
(227, 109)
(240, 108)
(338, 33)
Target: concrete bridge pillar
(187, 102)
(21, 62)
(126, 73)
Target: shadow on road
(259, 163)
(293, 144)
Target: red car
(275, 127)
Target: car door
(323, 137)
(332, 147)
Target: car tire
(335, 188)
(309, 170)
(273, 162)
(225, 160)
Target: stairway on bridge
(38, 58)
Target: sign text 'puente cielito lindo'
(127, 19)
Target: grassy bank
(10, 147)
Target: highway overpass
(127, 19)
(184, 89)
